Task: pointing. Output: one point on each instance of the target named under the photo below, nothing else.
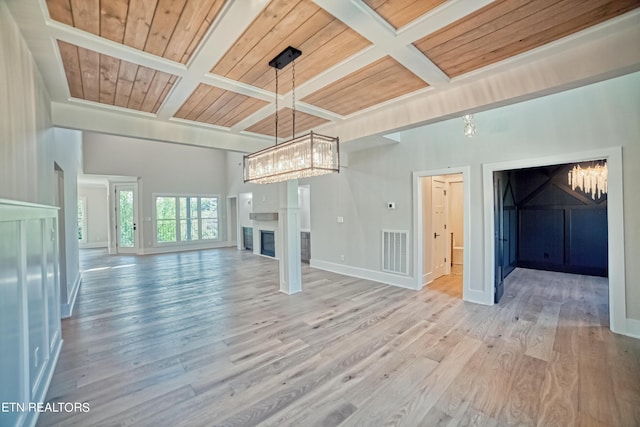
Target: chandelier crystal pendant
(469, 128)
(592, 179)
(308, 155)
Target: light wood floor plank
(205, 338)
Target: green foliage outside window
(186, 218)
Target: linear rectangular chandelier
(308, 155)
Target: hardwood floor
(205, 338)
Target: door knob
(435, 235)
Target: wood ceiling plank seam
(192, 101)
(364, 94)
(500, 22)
(248, 73)
(291, 31)
(250, 106)
(400, 13)
(108, 79)
(164, 93)
(473, 20)
(187, 28)
(139, 19)
(202, 30)
(156, 88)
(489, 42)
(163, 25)
(234, 114)
(347, 81)
(540, 39)
(316, 44)
(140, 87)
(217, 107)
(268, 18)
(60, 10)
(71, 64)
(126, 78)
(375, 4)
(203, 103)
(113, 17)
(89, 68)
(86, 15)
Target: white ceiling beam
(81, 117)
(232, 21)
(438, 18)
(120, 51)
(368, 24)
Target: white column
(289, 230)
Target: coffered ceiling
(203, 64)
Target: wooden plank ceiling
(304, 122)
(401, 12)
(101, 78)
(174, 29)
(168, 28)
(506, 28)
(378, 82)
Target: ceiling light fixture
(469, 127)
(592, 179)
(308, 155)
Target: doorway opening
(62, 251)
(442, 218)
(124, 207)
(615, 265)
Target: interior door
(439, 242)
(126, 218)
(498, 237)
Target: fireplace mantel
(263, 216)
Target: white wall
(600, 115)
(162, 168)
(29, 147)
(96, 215)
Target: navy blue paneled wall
(559, 229)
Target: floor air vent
(395, 247)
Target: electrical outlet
(342, 257)
(340, 219)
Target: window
(82, 219)
(186, 218)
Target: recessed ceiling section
(378, 82)
(101, 78)
(168, 28)
(401, 12)
(209, 104)
(304, 122)
(323, 40)
(504, 29)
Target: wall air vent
(395, 249)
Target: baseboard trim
(66, 310)
(632, 328)
(477, 297)
(94, 245)
(184, 248)
(406, 282)
(32, 416)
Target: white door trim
(467, 292)
(615, 222)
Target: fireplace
(267, 243)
